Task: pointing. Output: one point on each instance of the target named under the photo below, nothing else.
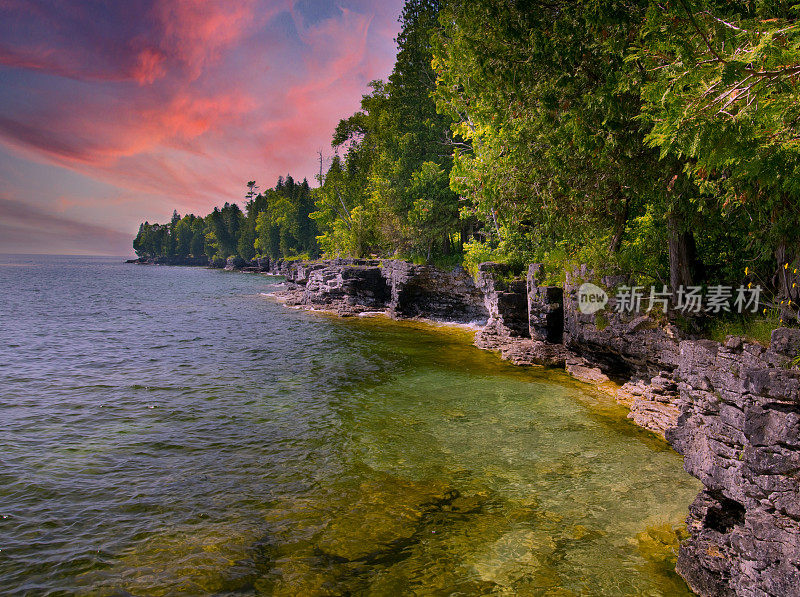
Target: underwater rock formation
(732, 409)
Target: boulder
(786, 341)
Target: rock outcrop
(263, 264)
(352, 288)
(653, 405)
(427, 291)
(401, 289)
(739, 432)
(624, 345)
(505, 300)
(639, 350)
(234, 263)
(509, 330)
(545, 308)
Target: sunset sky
(112, 113)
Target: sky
(112, 113)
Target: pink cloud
(65, 64)
(339, 50)
(195, 32)
(149, 66)
(85, 137)
(186, 35)
(192, 101)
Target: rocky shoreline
(732, 409)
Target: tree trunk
(620, 221)
(783, 273)
(682, 254)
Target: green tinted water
(461, 475)
(217, 443)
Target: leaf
(732, 71)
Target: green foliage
(433, 214)
(183, 236)
(275, 223)
(722, 97)
(477, 252)
(389, 195)
(755, 328)
(657, 140)
(552, 147)
(562, 156)
(198, 237)
(645, 253)
(151, 241)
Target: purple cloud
(182, 101)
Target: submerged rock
(383, 516)
(732, 409)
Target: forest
(659, 139)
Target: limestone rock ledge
(739, 431)
(185, 261)
(402, 290)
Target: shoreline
(731, 409)
(592, 379)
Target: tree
(198, 237)
(433, 215)
(366, 199)
(171, 247)
(552, 156)
(722, 97)
(182, 232)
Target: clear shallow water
(169, 431)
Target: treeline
(387, 191)
(275, 223)
(656, 138)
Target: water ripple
(173, 431)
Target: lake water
(174, 431)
